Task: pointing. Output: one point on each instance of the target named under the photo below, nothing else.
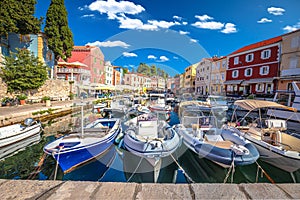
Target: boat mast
(81, 121)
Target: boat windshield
(200, 121)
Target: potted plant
(22, 98)
(47, 99)
(71, 95)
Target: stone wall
(56, 89)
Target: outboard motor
(28, 121)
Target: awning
(105, 87)
(233, 82)
(74, 64)
(251, 104)
(258, 80)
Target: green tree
(17, 16)
(60, 37)
(153, 70)
(143, 69)
(22, 71)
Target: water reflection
(118, 165)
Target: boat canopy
(251, 104)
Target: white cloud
(177, 17)
(85, 7)
(127, 54)
(163, 59)
(229, 28)
(203, 17)
(276, 11)
(209, 25)
(184, 23)
(116, 43)
(175, 57)
(162, 24)
(264, 20)
(152, 57)
(91, 15)
(193, 40)
(112, 7)
(292, 28)
(184, 32)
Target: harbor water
(119, 165)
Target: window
(235, 74)
(223, 64)
(236, 60)
(249, 57)
(295, 42)
(223, 76)
(266, 54)
(293, 63)
(259, 87)
(218, 65)
(248, 72)
(264, 70)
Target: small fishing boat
(151, 138)
(79, 147)
(18, 136)
(269, 135)
(201, 134)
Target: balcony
(73, 70)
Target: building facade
(254, 69)
(290, 60)
(190, 75)
(218, 73)
(108, 73)
(202, 81)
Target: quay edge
(34, 189)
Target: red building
(254, 69)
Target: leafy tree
(23, 71)
(16, 16)
(143, 69)
(153, 70)
(60, 37)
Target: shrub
(22, 97)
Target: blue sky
(173, 34)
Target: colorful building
(290, 60)
(254, 69)
(202, 81)
(190, 75)
(218, 73)
(35, 43)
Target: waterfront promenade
(25, 189)
(15, 114)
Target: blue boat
(201, 134)
(77, 148)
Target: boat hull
(222, 156)
(79, 150)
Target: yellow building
(189, 80)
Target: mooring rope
(231, 169)
(183, 171)
(57, 161)
(38, 167)
(264, 172)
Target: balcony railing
(73, 70)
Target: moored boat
(14, 137)
(275, 145)
(201, 134)
(79, 147)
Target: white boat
(150, 138)
(17, 136)
(269, 135)
(201, 134)
(220, 101)
(292, 116)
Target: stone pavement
(73, 190)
